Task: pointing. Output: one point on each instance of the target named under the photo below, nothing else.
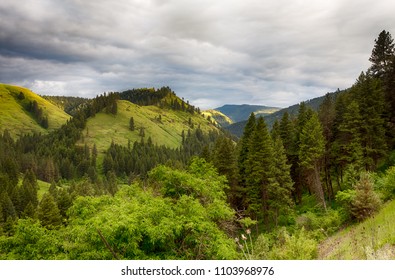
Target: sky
(211, 52)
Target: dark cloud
(210, 52)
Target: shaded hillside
(23, 111)
(238, 127)
(69, 104)
(239, 113)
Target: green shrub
(320, 224)
(386, 184)
(365, 202)
(298, 246)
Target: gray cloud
(210, 52)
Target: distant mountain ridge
(239, 113)
(237, 128)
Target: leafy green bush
(320, 224)
(386, 184)
(298, 246)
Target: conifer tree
(131, 124)
(349, 137)
(287, 133)
(366, 202)
(326, 114)
(224, 159)
(48, 212)
(244, 147)
(259, 170)
(382, 55)
(280, 193)
(370, 97)
(312, 147)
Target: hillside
(219, 118)
(239, 113)
(371, 239)
(164, 126)
(237, 128)
(15, 114)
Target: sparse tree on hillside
(131, 124)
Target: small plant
(248, 250)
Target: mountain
(238, 127)
(23, 111)
(219, 118)
(239, 113)
(157, 114)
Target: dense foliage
(286, 189)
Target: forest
(274, 193)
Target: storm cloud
(274, 53)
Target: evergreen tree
(312, 148)
(280, 193)
(287, 134)
(370, 97)
(244, 147)
(48, 212)
(131, 124)
(259, 170)
(366, 202)
(326, 114)
(224, 159)
(349, 137)
(382, 55)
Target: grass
(17, 120)
(43, 187)
(218, 117)
(105, 128)
(373, 238)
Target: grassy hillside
(15, 117)
(164, 126)
(218, 117)
(371, 239)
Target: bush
(386, 184)
(366, 202)
(283, 245)
(298, 246)
(320, 224)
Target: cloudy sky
(212, 52)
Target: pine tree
(382, 55)
(287, 134)
(312, 148)
(48, 212)
(243, 148)
(366, 202)
(280, 193)
(224, 159)
(259, 171)
(349, 137)
(370, 97)
(326, 114)
(131, 124)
